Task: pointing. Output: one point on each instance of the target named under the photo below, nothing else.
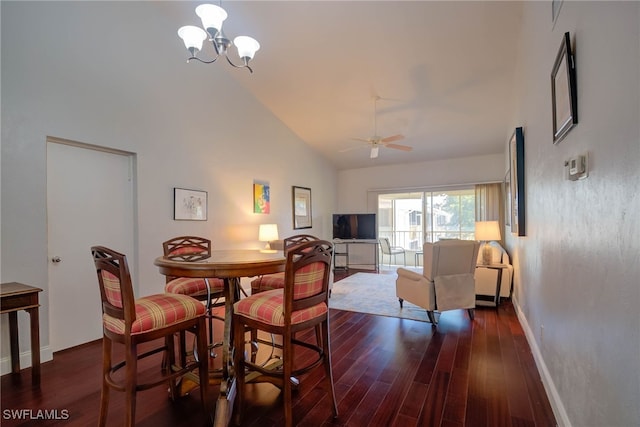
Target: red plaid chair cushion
(112, 288)
(157, 311)
(267, 283)
(268, 307)
(187, 250)
(193, 286)
(308, 280)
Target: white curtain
(490, 205)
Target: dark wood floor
(387, 372)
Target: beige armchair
(447, 281)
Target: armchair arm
(410, 275)
(415, 288)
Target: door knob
(56, 259)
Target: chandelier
(212, 17)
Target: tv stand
(355, 253)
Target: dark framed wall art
(301, 205)
(564, 98)
(516, 165)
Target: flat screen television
(354, 226)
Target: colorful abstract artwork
(261, 197)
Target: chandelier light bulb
(193, 37)
(247, 46)
(212, 17)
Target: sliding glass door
(409, 219)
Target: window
(409, 219)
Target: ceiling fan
(376, 141)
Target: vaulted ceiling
(444, 71)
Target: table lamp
(487, 231)
(268, 233)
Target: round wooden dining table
(229, 265)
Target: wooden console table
(13, 298)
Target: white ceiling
(446, 68)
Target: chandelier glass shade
(212, 17)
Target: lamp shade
(247, 46)
(487, 230)
(212, 16)
(192, 37)
(268, 232)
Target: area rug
(373, 294)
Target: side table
(498, 268)
(13, 298)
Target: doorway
(90, 201)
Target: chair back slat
(291, 241)
(385, 246)
(114, 279)
(187, 248)
(307, 275)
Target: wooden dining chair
(131, 322)
(191, 248)
(301, 305)
(211, 290)
(276, 280)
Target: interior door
(89, 202)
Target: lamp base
(267, 249)
(487, 254)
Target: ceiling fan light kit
(212, 17)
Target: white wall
(577, 276)
(65, 74)
(355, 184)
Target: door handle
(56, 259)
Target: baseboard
(46, 355)
(562, 419)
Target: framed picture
(261, 197)
(516, 165)
(564, 99)
(189, 205)
(506, 191)
(301, 202)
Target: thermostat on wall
(577, 167)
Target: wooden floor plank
(387, 372)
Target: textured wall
(577, 277)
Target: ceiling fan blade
(399, 147)
(351, 148)
(367, 140)
(392, 138)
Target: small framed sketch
(189, 205)
(564, 98)
(301, 202)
